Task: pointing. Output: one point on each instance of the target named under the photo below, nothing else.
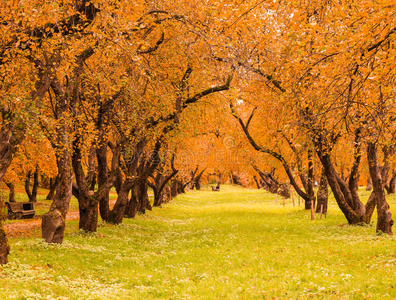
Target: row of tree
(111, 94)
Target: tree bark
(117, 214)
(391, 186)
(384, 170)
(88, 208)
(54, 182)
(11, 195)
(32, 195)
(369, 185)
(4, 247)
(132, 206)
(385, 222)
(144, 202)
(322, 194)
(53, 222)
(174, 188)
(197, 180)
(342, 194)
(258, 184)
(160, 182)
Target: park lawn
(234, 244)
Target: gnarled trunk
(54, 222)
(88, 207)
(11, 195)
(117, 214)
(385, 222)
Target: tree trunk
(284, 190)
(11, 135)
(101, 157)
(385, 222)
(370, 207)
(390, 188)
(88, 207)
(117, 214)
(32, 195)
(144, 202)
(166, 194)
(53, 186)
(131, 209)
(369, 185)
(53, 222)
(322, 194)
(257, 182)
(11, 195)
(4, 247)
(197, 180)
(341, 191)
(35, 185)
(174, 188)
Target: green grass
(236, 244)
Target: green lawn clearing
(234, 244)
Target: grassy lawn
(236, 244)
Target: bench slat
(25, 209)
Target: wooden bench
(20, 210)
(216, 188)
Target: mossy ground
(233, 244)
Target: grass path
(236, 244)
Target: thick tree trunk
(53, 222)
(11, 195)
(88, 207)
(385, 222)
(117, 214)
(144, 202)
(4, 247)
(341, 191)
